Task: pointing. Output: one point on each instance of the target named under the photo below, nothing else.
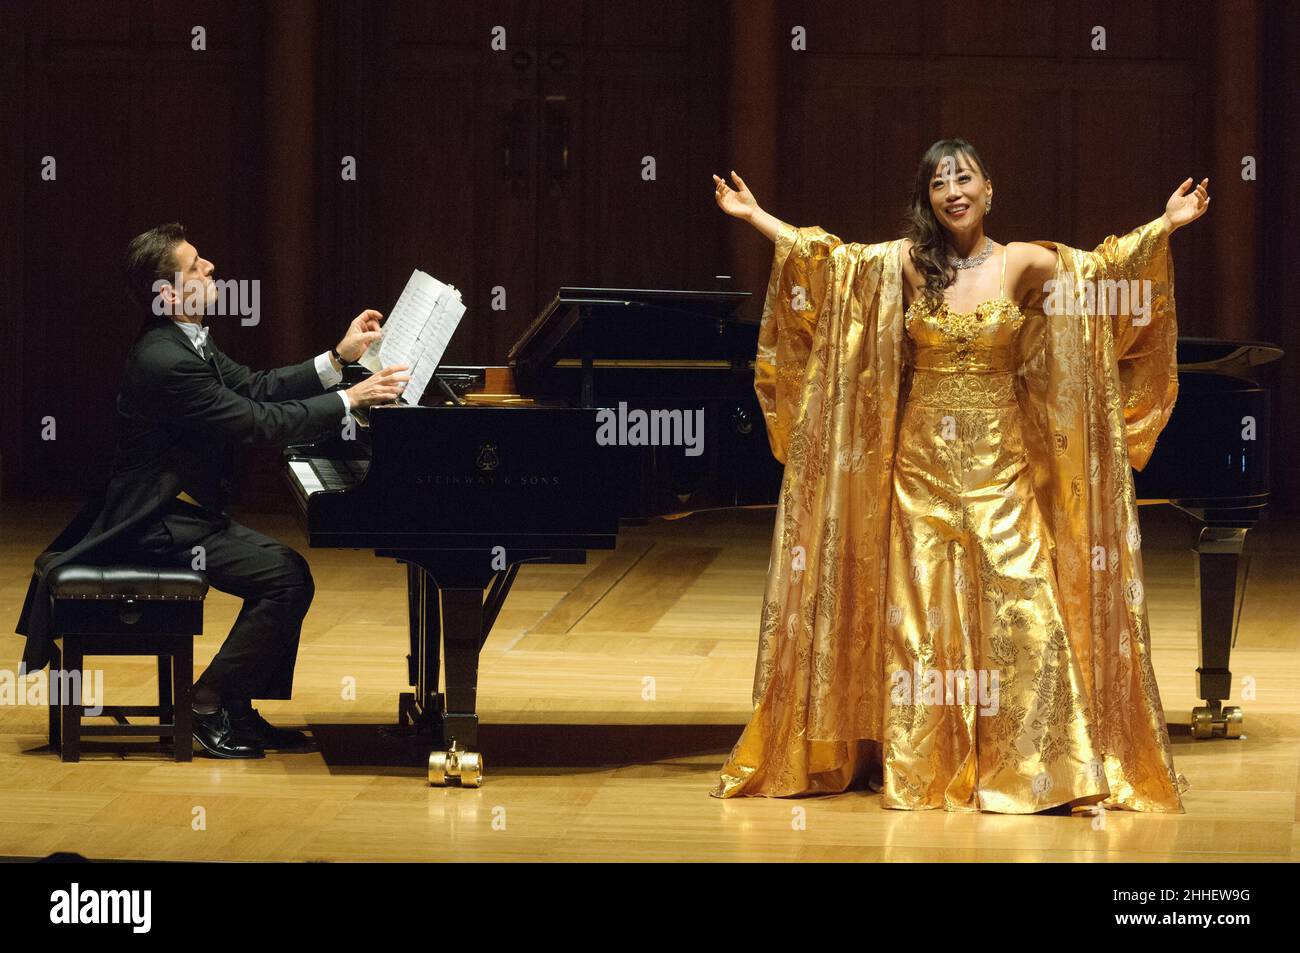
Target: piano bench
(123, 610)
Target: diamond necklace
(973, 260)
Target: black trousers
(258, 656)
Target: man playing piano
(183, 409)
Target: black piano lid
(1220, 356)
(636, 323)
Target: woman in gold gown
(954, 610)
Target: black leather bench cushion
(81, 581)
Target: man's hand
(362, 332)
(381, 388)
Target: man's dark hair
(150, 257)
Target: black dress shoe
(215, 733)
(250, 725)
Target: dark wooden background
(521, 170)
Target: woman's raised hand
(738, 202)
(1184, 207)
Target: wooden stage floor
(610, 694)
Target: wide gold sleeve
(1135, 273)
(797, 294)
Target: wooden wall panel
(1275, 141)
(1030, 162)
(426, 126)
(434, 189)
(1128, 182)
(859, 29)
(242, 144)
(856, 180)
(79, 325)
(996, 30)
(606, 224)
(144, 130)
(15, 178)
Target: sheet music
(417, 332)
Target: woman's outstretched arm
(1183, 208)
(740, 203)
(800, 295)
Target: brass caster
(471, 770)
(1202, 726)
(1211, 720)
(463, 766)
(1232, 718)
(438, 768)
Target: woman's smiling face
(958, 194)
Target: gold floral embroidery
(1076, 681)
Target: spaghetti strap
(1002, 283)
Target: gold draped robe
(1095, 388)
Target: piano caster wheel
(1211, 720)
(438, 768)
(464, 766)
(471, 770)
(1202, 725)
(1232, 719)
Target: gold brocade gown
(948, 619)
(987, 707)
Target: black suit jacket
(180, 420)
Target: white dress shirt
(198, 335)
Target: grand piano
(1211, 462)
(506, 470)
(499, 469)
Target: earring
(988, 206)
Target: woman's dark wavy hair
(929, 242)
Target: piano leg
(462, 611)
(1218, 553)
(446, 600)
(422, 709)
(414, 597)
(451, 607)
(428, 651)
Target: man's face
(197, 292)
